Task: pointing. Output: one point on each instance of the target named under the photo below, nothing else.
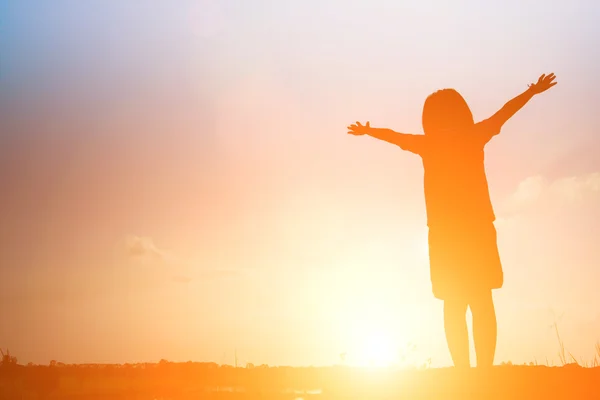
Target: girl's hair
(445, 110)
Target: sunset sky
(177, 180)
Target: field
(167, 380)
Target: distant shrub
(7, 359)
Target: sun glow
(377, 350)
(374, 338)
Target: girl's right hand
(359, 129)
(544, 83)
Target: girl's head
(446, 110)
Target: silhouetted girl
(463, 253)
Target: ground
(210, 381)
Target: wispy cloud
(143, 248)
(142, 251)
(539, 190)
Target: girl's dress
(463, 251)
(464, 260)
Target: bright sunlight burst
(375, 336)
(374, 348)
(379, 350)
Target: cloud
(554, 220)
(143, 248)
(548, 228)
(548, 239)
(575, 188)
(142, 254)
(540, 192)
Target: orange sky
(210, 140)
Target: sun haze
(177, 181)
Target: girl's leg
(484, 328)
(457, 336)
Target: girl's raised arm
(492, 126)
(406, 141)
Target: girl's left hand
(544, 83)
